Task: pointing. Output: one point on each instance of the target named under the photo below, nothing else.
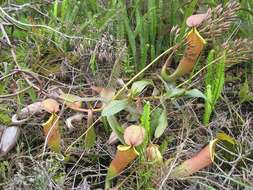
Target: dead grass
(73, 64)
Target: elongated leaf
(244, 91)
(93, 63)
(219, 82)
(5, 118)
(116, 127)
(208, 105)
(152, 17)
(33, 95)
(209, 77)
(195, 93)
(64, 8)
(163, 123)
(155, 120)
(175, 92)
(245, 95)
(72, 101)
(138, 86)
(70, 98)
(224, 137)
(140, 31)
(90, 137)
(129, 31)
(114, 107)
(209, 83)
(214, 81)
(145, 122)
(5, 114)
(55, 8)
(52, 133)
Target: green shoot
(214, 82)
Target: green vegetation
(144, 94)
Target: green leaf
(165, 143)
(130, 33)
(5, 112)
(114, 107)
(244, 91)
(214, 81)
(145, 123)
(155, 119)
(93, 63)
(116, 128)
(138, 86)
(134, 113)
(163, 123)
(244, 94)
(64, 7)
(208, 105)
(20, 97)
(195, 93)
(209, 77)
(70, 98)
(152, 17)
(224, 137)
(32, 94)
(220, 79)
(90, 138)
(142, 34)
(210, 188)
(145, 117)
(175, 92)
(5, 118)
(55, 8)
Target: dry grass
(100, 57)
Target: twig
(16, 93)
(42, 26)
(15, 8)
(143, 70)
(8, 75)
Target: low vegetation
(120, 94)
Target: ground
(91, 69)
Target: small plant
(136, 142)
(214, 82)
(68, 80)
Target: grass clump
(120, 94)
